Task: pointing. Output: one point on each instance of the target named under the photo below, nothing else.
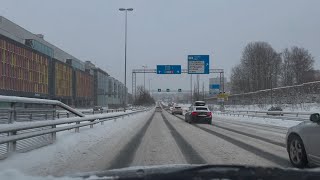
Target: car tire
(297, 152)
(210, 122)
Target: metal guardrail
(272, 112)
(13, 110)
(50, 128)
(281, 115)
(62, 114)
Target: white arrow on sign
(159, 72)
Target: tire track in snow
(259, 152)
(127, 153)
(189, 153)
(249, 135)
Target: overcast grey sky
(166, 31)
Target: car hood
(187, 171)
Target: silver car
(303, 143)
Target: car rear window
(201, 109)
(199, 104)
(177, 107)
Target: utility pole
(203, 91)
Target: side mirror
(315, 117)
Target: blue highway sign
(215, 86)
(168, 69)
(198, 64)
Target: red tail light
(194, 113)
(209, 114)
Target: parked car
(177, 110)
(97, 108)
(302, 142)
(275, 110)
(198, 114)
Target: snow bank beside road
(89, 150)
(268, 121)
(305, 107)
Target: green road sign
(168, 90)
(179, 90)
(159, 90)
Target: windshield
(98, 85)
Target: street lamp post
(125, 53)
(144, 76)
(149, 86)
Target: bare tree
(259, 68)
(287, 69)
(144, 97)
(297, 66)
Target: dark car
(198, 114)
(158, 109)
(199, 103)
(275, 110)
(97, 108)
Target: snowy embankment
(305, 107)
(89, 150)
(267, 121)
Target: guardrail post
(297, 114)
(91, 125)
(13, 113)
(30, 117)
(46, 116)
(58, 115)
(53, 134)
(12, 146)
(77, 129)
(93, 112)
(68, 115)
(102, 122)
(54, 112)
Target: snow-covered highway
(155, 138)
